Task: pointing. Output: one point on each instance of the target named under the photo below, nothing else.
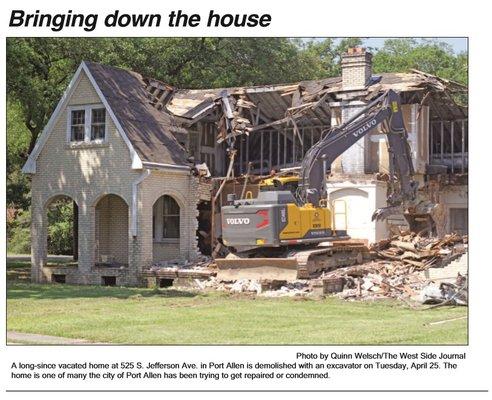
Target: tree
(433, 57)
(18, 138)
(325, 55)
(38, 69)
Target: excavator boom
(386, 111)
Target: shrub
(60, 219)
(60, 239)
(19, 233)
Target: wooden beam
(261, 152)
(442, 141)
(463, 147)
(452, 147)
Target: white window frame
(158, 215)
(88, 123)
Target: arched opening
(357, 210)
(111, 229)
(204, 229)
(62, 229)
(166, 228)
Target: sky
(458, 44)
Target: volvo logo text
(237, 221)
(364, 128)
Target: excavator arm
(385, 111)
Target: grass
(169, 316)
(19, 266)
(18, 270)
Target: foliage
(17, 146)
(437, 58)
(60, 220)
(60, 239)
(19, 234)
(325, 55)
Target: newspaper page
(256, 198)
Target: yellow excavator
(288, 231)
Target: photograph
(237, 190)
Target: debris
(333, 285)
(245, 285)
(398, 270)
(412, 249)
(201, 268)
(447, 320)
(446, 293)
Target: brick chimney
(356, 68)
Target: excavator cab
(280, 183)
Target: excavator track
(292, 264)
(313, 262)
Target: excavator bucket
(420, 223)
(382, 213)
(232, 269)
(420, 218)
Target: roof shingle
(148, 129)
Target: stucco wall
(361, 198)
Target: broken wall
(353, 159)
(455, 202)
(416, 120)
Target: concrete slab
(34, 338)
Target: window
(77, 126)
(98, 123)
(58, 278)
(170, 218)
(153, 226)
(86, 124)
(459, 220)
(208, 135)
(208, 159)
(108, 280)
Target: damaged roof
(308, 103)
(149, 130)
(153, 114)
(275, 99)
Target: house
(147, 166)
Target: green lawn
(19, 266)
(168, 316)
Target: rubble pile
(200, 268)
(398, 271)
(420, 252)
(265, 288)
(200, 263)
(377, 279)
